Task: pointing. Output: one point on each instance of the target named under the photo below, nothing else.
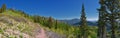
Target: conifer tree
(102, 20)
(113, 8)
(56, 24)
(109, 12)
(3, 8)
(50, 22)
(0, 10)
(83, 25)
(36, 18)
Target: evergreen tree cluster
(48, 22)
(108, 15)
(3, 8)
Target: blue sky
(59, 9)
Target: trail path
(41, 33)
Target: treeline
(49, 22)
(44, 21)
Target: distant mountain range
(77, 22)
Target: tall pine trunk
(113, 27)
(102, 20)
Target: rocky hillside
(14, 25)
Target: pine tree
(102, 20)
(56, 24)
(3, 9)
(36, 19)
(110, 14)
(113, 8)
(83, 22)
(50, 22)
(0, 10)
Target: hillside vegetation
(18, 24)
(15, 25)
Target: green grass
(62, 28)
